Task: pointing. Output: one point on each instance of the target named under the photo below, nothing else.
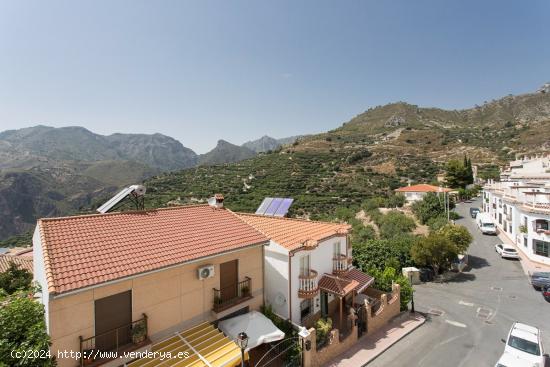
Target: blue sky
(204, 70)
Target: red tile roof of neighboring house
(294, 233)
(24, 262)
(423, 188)
(86, 250)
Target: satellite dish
(212, 201)
(280, 299)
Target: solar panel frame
(264, 205)
(282, 210)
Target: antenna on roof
(135, 193)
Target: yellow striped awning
(201, 346)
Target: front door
(113, 318)
(324, 304)
(229, 273)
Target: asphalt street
(469, 315)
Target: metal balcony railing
(110, 344)
(232, 295)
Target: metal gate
(361, 320)
(282, 353)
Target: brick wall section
(335, 347)
(389, 308)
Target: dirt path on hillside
(363, 217)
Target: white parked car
(523, 348)
(506, 251)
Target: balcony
(227, 297)
(340, 264)
(541, 226)
(102, 348)
(308, 287)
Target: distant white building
(417, 192)
(520, 205)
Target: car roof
(508, 247)
(526, 332)
(542, 274)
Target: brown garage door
(113, 316)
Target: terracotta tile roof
(295, 233)
(82, 251)
(337, 285)
(422, 188)
(363, 279)
(341, 285)
(24, 262)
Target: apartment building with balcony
(520, 205)
(308, 269)
(105, 277)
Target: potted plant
(245, 291)
(523, 229)
(139, 332)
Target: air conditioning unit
(205, 272)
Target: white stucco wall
(39, 273)
(518, 215)
(276, 278)
(321, 261)
(414, 196)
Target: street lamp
(242, 342)
(412, 293)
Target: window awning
(259, 328)
(206, 346)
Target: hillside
(26, 195)
(267, 143)
(40, 144)
(225, 152)
(371, 154)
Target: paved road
(476, 313)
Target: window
(336, 249)
(306, 308)
(525, 221)
(304, 265)
(541, 225)
(499, 218)
(541, 248)
(525, 241)
(524, 345)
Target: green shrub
(323, 328)
(22, 329)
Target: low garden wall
(388, 308)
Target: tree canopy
(459, 174)
(15, 279)
(23, 329)
(431, 206)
